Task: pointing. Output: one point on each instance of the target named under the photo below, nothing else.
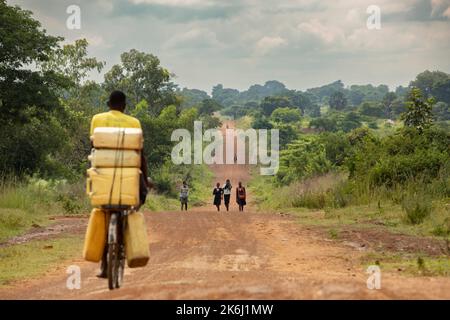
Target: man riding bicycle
(117, 118)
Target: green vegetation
(30, 203)
(410, 264)
(25, 261)
(360, 153)
(396, 176)
(46, 104)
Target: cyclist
(116, 117)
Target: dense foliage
(46, 103)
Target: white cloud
(235, 41)
(328, 35)
(266, 44)
(196, 39)
(174, 2)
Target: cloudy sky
(303, 43)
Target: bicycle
(116, 254)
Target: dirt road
(203, 254)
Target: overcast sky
(303, 43)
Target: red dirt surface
(203, 254)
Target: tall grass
(418, 201)
(30, 201)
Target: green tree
(419, 114)
(338, 101)
(25, 93)
(441, 111)
(73, 62)
(372, 109)
(141, 76)
(208, 107)
(235, 111)
(260, 122)
(351, 121)
(387, 102)
(301, 101)
(191, 97)
(29, 103)
(324, 124)
(427, 81)
(286, 115)
(225, 96)
(269, 104)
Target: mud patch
(380, 239)
(62, 225)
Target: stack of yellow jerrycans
(113, 183)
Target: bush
(310, 200)
(163, 181)
(443, 229)
(417, 208)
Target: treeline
(46, 103)
(366, 101)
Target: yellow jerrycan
(113, 186)
(110, 158)
(117, 138)
(95, 239)
(136, 241)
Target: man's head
(117, 101)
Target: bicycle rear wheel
(116, 252)
(113, 253)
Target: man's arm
(144, 170)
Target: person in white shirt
(184, 194)
(227, 193)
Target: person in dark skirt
(227, 194)
(241, 196)
(218, 194)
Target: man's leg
(104, 264)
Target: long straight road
(205, 254)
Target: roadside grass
(308, 203)
(322, 201)
(157, 202)
(200, 188)
(35, 258)
(32, 201)
(409, 264)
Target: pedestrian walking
(241, 196)
(218, 194)
(227, 194)
(184, 194)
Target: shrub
(310, 200)
(417, 208)
(163, 181)
(12, 218)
